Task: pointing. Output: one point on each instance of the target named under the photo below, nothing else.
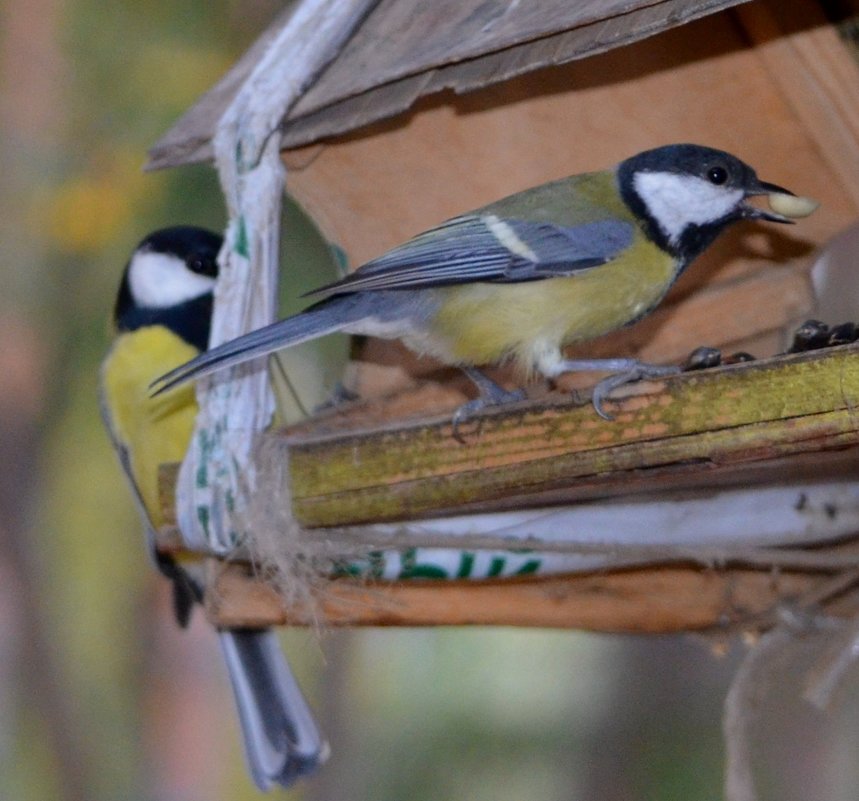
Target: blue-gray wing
(488, 248)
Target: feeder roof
(405, 49)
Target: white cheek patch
(676, 201)
(159, 280)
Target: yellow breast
(487, 323)
(154, 430)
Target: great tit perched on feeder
(520, 279)
(161, 319)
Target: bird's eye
(717, 175)
(197, 264)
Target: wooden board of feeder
(774, 419)
(401, 50)
(765, 421)
(734, 424)
(655, 599)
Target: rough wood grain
(496, 42)
(699, 428)
(407, 49)
(807, 62)
(753, 422)
(651, 600)
(756, 420)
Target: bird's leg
(339, 396)
(624, 371)
(490, 395)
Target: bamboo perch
(735, 424)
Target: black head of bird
(169, 281)
(688, 194)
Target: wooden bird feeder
(430, 109)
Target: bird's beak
(765, 188)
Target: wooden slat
(470, 56)
(405, 37)
(407, 49)
(698, 429)
(653, 600)
(759, 421)
(811, 67)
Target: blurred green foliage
(81, 202)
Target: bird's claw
(639, 372)
(497, 397)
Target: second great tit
(161, 319)
(520, 279)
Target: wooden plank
(656, 599)
(752, 422)
(811, 67)
(406, 49)
(405, 37)
(470, 56)
(698, 427)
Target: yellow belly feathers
(154, 430)
(486, 323)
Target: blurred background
(100, 696)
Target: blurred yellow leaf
(85, 213)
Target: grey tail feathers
(282, 741)
(323, 318)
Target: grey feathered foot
(490, 395)
(282, 741)
(625, 371)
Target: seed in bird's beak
(791, 205)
